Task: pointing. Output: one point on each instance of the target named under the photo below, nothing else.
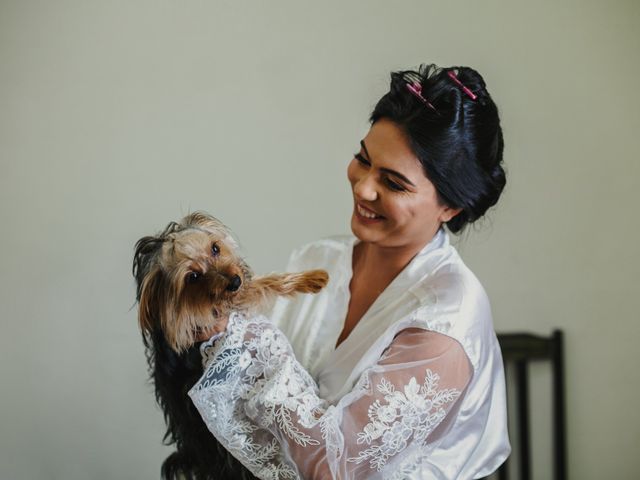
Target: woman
(393, 370)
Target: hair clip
(453, 77)
(416, 89)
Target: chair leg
(503, 470)
(523, 420)
(559, 427)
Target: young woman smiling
(393, 370)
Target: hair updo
(458, 140)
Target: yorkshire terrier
(189, 277)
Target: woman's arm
(264, 407)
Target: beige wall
(116, 117)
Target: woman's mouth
(364, 213)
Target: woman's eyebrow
(387, 170)
(364, 147)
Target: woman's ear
(448, 213)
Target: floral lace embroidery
(414, 412)
(280, 389)
(216, 395)
(254, 375)
(253, 384)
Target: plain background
(117, 117)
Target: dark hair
(458, 141)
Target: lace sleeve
(264, 407)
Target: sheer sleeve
(264, 407)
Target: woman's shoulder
(444, 278)
(453, 301)
(457, 283)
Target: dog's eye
(215, 249)
(192, 277)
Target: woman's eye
(363, 161)
(215, 249)
(192, 277)
(396, 187)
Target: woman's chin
(364, 232)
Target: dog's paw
(313, 281)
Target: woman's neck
(372, 257)
(385, 262)
(374, 268)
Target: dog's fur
(188, 277)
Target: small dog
(189, 277)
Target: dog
(188, 278)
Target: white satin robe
(415, 391)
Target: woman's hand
(219, 326)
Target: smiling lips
(366, 213)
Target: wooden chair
(518, 350)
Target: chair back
(518, 351)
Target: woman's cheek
(399, 210)
(351, 172)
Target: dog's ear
(150, 300)
(145, 257)
(148, 275)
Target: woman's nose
(366, 189)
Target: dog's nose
(234, 284)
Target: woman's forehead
(387, 146)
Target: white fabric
(415, 391)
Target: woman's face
(395, 204)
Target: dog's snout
(234, 284)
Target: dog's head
(187, 276)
